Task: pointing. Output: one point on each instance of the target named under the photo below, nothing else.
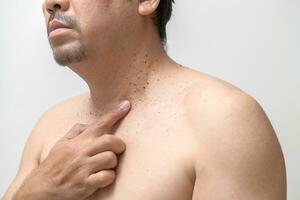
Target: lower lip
(58, 32)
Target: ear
(147, 7)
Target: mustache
(70, 21)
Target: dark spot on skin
(144, 87)
(147, 83)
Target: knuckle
(100, 123)
(88, 186)
(122, 146)
(106, 177)
(95, 129)
(107, 139)
(55, 180)
(77, 126)
(110, 157)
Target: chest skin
(157, 163)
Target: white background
(253, 44)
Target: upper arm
(29, 160)
(243, 158)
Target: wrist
(26, 192)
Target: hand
(80, 163)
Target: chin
(69, 53)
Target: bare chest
(157, 163)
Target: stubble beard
(69, 53)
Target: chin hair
(66, 55)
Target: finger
(109, 119)
(106, 142)
(75, 131)
(101, 161)
(101, 179)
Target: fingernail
(124, 105)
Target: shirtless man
(185, 136)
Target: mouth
(57, 27)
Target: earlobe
(147, 7)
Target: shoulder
(230, 119)
(235, 141)
(215, 98)
(227, 116)
(62, 109)
(56, 115)
(219, 103)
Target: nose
(51, 5)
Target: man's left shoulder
(235, 142)
(214, 104)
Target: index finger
(110, 118)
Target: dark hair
(161, 17)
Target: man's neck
(122, 76)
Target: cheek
(99, 31)
(95, 21)
(92, 14)
(103, 22)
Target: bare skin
(80, 163)
(173, 148)
(188, 135)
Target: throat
(133, 83)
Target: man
(185, 135)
